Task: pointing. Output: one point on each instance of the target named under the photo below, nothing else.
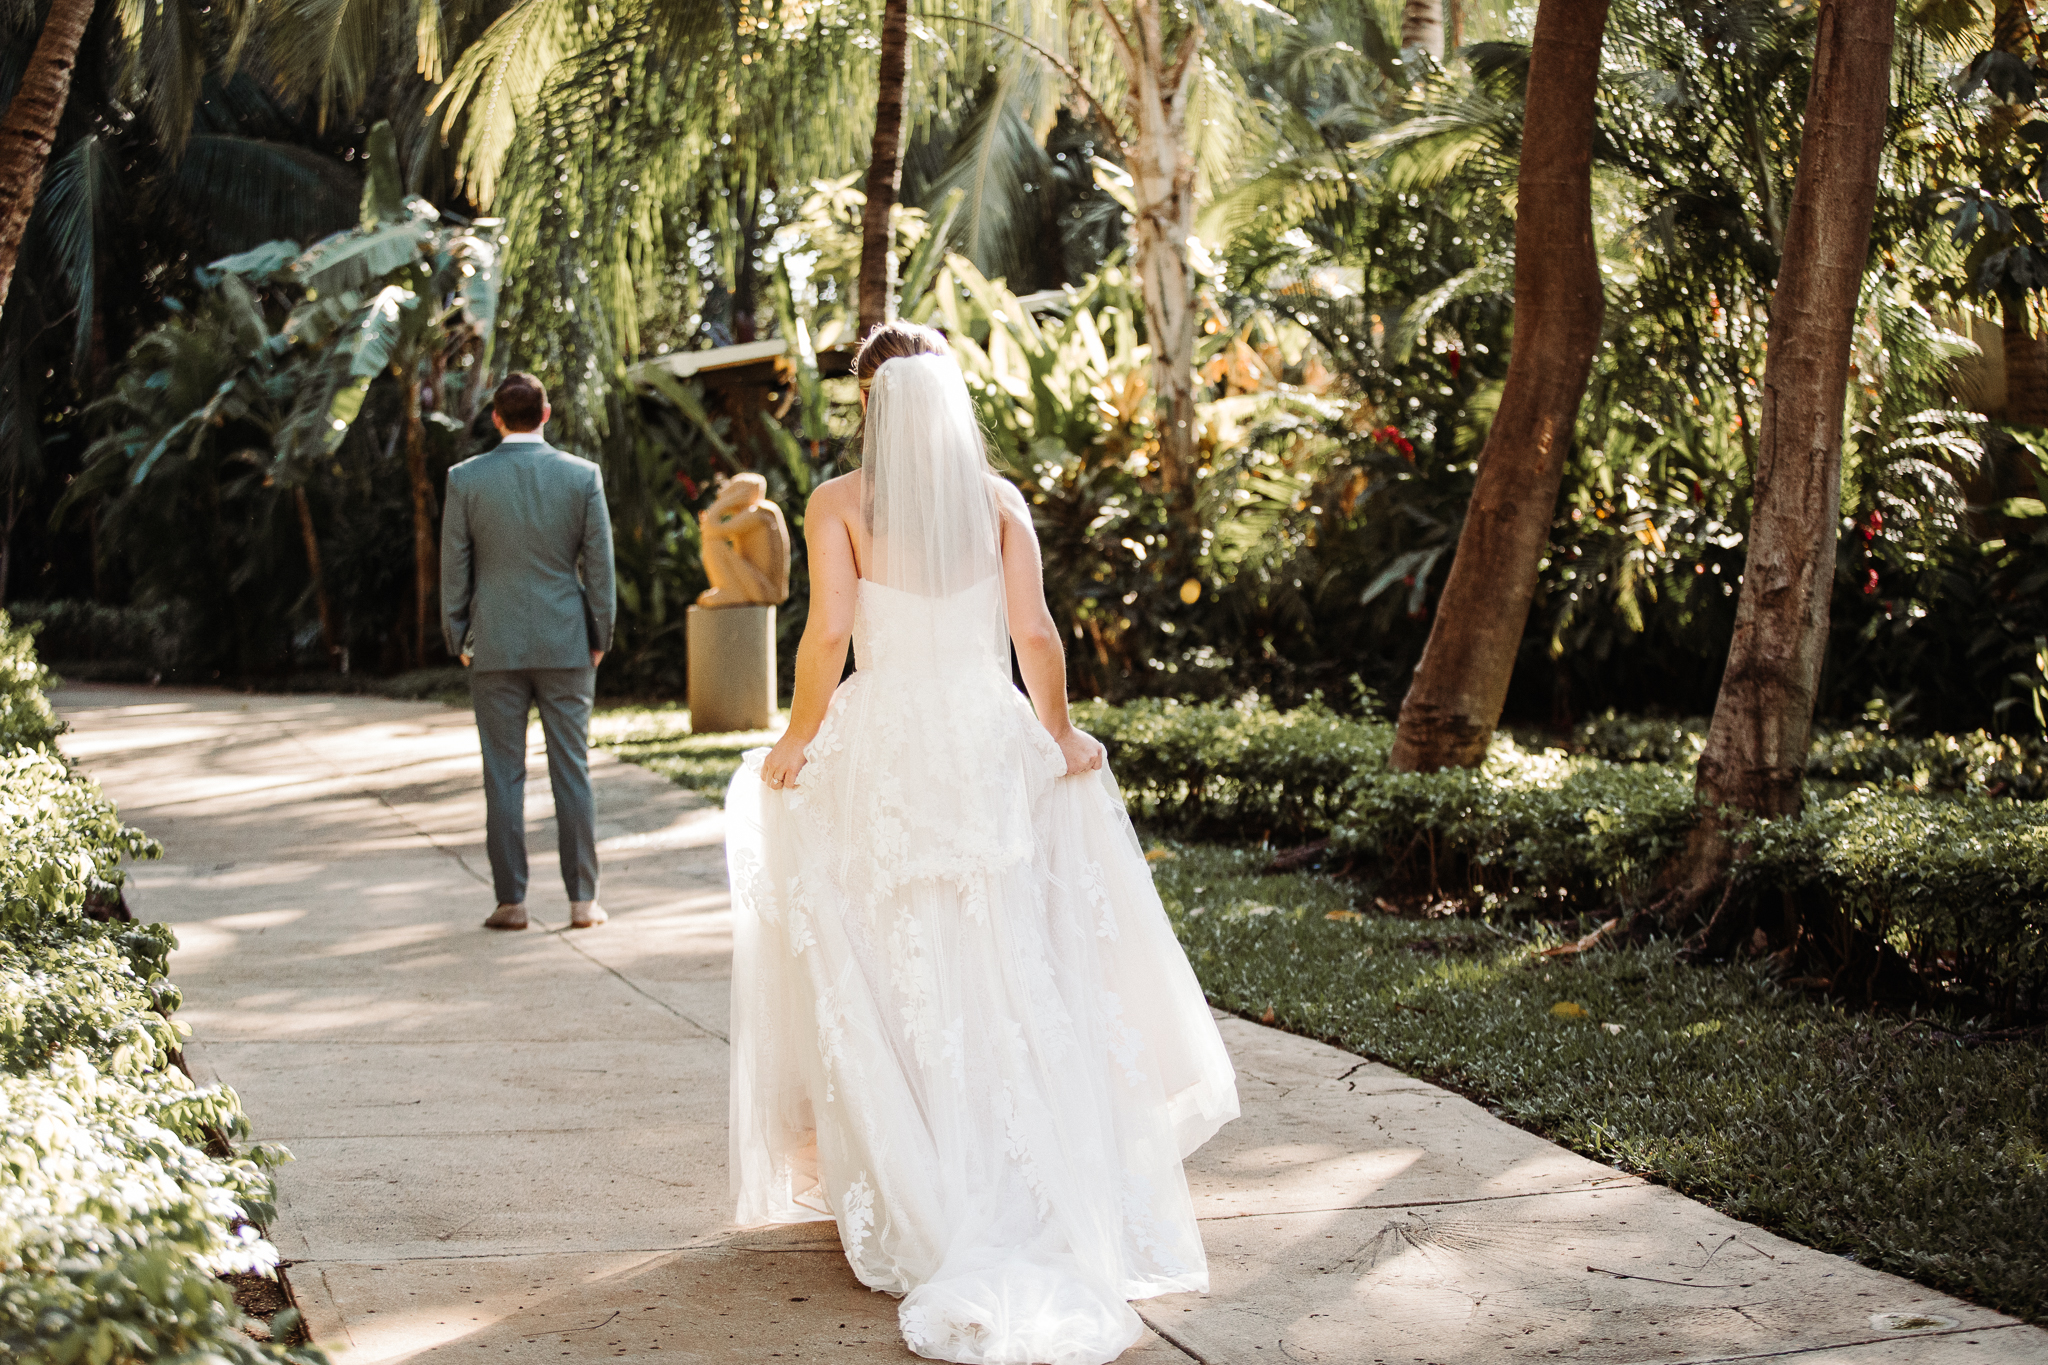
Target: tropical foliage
(127, 1199)
(671, 178)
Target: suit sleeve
(458, 568)
(600, 590)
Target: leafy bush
(1528, 827)
(1959, 888)
(26, 718)
(119, 644)
(1979, 762)
(122, 1199)
(1240, 766)
(1636, 739)
(1912, 850)
(1976, 763)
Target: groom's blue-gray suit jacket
(520, 521)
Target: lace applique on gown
(962, 1026)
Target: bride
(962, 1028)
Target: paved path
(513, 1145)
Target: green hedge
(1904, 838)
(1529, 828)
(122, 1197)
(1958, 887)
(1978, 762)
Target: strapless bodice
(908, 634)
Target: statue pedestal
(732, 668)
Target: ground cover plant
(1914, 1144)
(123, 1198)
(658, 737)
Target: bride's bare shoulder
(1008, 496)
(836, 496)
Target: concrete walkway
(515, 1143)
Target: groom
(520, 522)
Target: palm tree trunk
(1452, 707)
(327, 640)
(1422, 25)
(2026, 367)
(7, 537)
(1162, 167)
(426, 553)
(31, 124)
(885, 172)
(1755, 758)
(2026, 355)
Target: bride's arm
(821, 657)
(1041, 656)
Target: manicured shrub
(1997, 765)
(123, 1199)
(26, 718)
(1978, 762)
(1903, 839)
(1241, 767)
(1526, 830)
(1959, 888)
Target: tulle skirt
(963, 1028)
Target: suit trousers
(503, 698)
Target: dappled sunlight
(1549, 1166)
(452, 1310)
(296, 1015)
(1296, 1176)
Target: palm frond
(998, 169)
(494, 85)
(329, 51)
(1493, 277)
(165, 63)
(243, 191)
(83, 194)
(1449, 144)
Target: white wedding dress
(962, 1027)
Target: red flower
(1869, 581)
(1455, 360)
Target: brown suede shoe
(507, 917)
(586, 915)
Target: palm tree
(1422, 26)
(885, 169)
(1451, 709)
(1755, 756)
(30, 127)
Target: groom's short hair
(520, 401)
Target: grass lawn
(659, 737)
(1893, 1141)
(1897, 1142)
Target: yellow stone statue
(746, 546)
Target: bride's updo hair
(894, 341)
